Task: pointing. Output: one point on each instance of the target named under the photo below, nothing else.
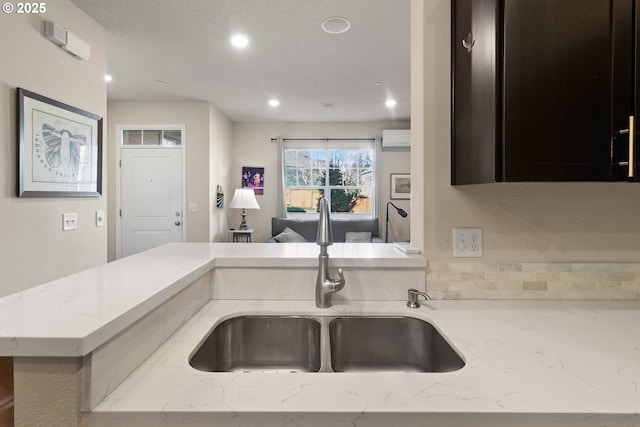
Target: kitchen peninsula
(117, 339)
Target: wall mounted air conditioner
(67, 40)
(396, 138)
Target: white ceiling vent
(396, 138)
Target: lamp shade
(244, 198)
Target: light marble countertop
(74, 315)
(571, 359)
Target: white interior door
(151, 198)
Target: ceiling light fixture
(274, 102)
(240, 41)
(390, 103)
(336, 25)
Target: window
(152, 137)
(344, 174)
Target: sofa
(344, 230)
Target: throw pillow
(357, 237)
(288, 235)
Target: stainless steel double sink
(267, 343)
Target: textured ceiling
(185, 44)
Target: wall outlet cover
(467, 242)
(69, 221)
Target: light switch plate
(99, 218)
(69, 221)
(467, 242)
(193, 207)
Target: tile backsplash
(514, 280)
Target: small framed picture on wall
(400, 186)
(253, 177)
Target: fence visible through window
(345, 176)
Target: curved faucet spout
(324, 237)
(325, 285)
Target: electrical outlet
(467, 242)
(69, 221)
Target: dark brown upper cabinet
(543, 90)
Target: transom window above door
(152, 137)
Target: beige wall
(556, 222)
(252, 146)
(393, 160)
(206, 144)
(33, 247)
(219, 173)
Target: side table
(241, 235)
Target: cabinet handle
(632, 132)
(468, 43)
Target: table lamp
(244, 198)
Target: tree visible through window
(344, 176)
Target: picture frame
(400, 186)
(253, 177)
(59, 148)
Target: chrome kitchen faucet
(325, 285)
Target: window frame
(162, 129)
(327, 146)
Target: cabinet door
(474, 91)
(557, 107)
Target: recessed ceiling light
(108, 78)
(378, 83)
(390, 103)
(274, 102)
(336, 25)
(240, 41)
(327, 104)
(159, 82)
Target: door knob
(177, 223)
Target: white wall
(207, 138)
(33, 247)
(252, 146)
(557, 222)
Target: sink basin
(261, 343)
(389, 344)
